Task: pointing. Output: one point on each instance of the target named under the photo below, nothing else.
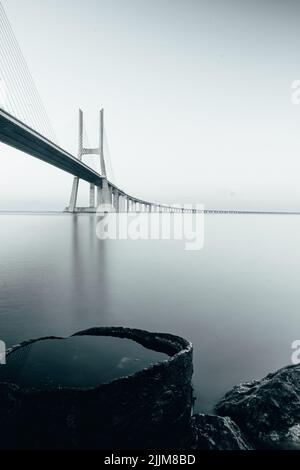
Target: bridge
(25, 125)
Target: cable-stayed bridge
(25, 125)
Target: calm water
(84, 361)
(237, 300)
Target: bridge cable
(9, 75)
(15, 71)
(34, 111)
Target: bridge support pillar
(123, 204)
(104, 194)
(92, 195)
(98, 195)
(74, 193)
(116, 200)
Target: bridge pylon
(104, 192)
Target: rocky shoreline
(261, 414)
(267, 411)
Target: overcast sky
(197, 98)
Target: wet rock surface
(148, 409)
(267, 410)
(212, 432)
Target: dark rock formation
(217, 433)
(150, 409)
(267, 410)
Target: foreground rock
(150, 409)
(217, 433)
(267, 410)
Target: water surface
(237, 300)
(77, 362)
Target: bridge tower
(104, 192)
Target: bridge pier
(74, 192)
(121, 203)
(92, 195)
(104, 194)
(116, 200)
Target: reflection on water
(78, 362)
(237, 300)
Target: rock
(217, 433)
(150, 409)
(267, 410)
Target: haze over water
(237, 300)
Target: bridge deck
(16, 134)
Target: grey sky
(196, 97)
